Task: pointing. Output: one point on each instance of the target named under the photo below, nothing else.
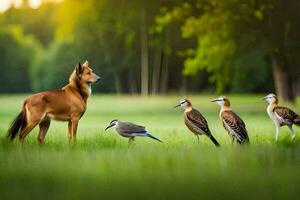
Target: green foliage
(211, 26)
(110, 36)
(250, 71)
(224, 29)
(114, 32)
(52, 67)
(36, 22)
(180, 42)
(213, 56)
(17, 54)
(107, 37)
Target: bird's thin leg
(198, 139)
(131, 139)
(292, 132)
(232, 141)
(276, 132)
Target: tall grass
(102, 165)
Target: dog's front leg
(69, 131)
(74, 128)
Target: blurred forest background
(153, 47)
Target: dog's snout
(98, 78)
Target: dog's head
(85, 73)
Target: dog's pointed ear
(78, 69)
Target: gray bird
(130, 130)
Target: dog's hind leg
(26, 130)
(44, 126)
(34, 116)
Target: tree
(121, 32)
(36, 22)
(53, 66)
(17, 54)
(224, 29)
(279, 29)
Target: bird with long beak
(130, 130)
(195, 122)
(232, 123)
(281, 116)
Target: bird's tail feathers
(244, 141)
(214, 140)
(297, 120)
(153, 137)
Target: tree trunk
(164, 75)
(156, 70)
(282, 77)
(297, 86)
(122, 82)
(118, 83)
(184, 85)
(144, 56)
(132, 80)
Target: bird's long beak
(264, 98)
(215, 100)
(109, 126)
(177, 106)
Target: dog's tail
(17, 125)
(297, 120)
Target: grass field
(102, 166)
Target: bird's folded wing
(198, 120)
(128, 127)
(235, 123)
(285, 113)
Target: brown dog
(67, 104)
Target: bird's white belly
(132, 134)
(127, 134)
(275, 118)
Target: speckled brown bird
(281, 116)
(195, 122)
(232, 123)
